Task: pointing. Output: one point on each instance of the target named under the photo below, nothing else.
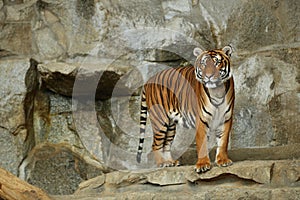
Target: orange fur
(201, 97)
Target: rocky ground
(266, 180)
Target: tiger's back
(174, 90)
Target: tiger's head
(212, 68)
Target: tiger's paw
(203, 165)
(174, 163)
(223, 162)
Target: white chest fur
(218, 109)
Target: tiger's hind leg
(169, 161)
(162, 139)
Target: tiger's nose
(209, 76)
(209, 69)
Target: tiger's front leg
(203, 164)
(222, 158)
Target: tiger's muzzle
(212, 82)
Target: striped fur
(200, 96)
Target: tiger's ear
(228, 50)
(197, 51)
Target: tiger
(201, 97)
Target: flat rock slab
(214, 193)
(258, 171)
(260, 179)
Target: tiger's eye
(217, 60)
(222, 72)
(202, 62)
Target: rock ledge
(251, 179)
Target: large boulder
(266, 100)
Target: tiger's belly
(215, 121)
(186, 120)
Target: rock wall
(71, 73)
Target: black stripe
(143, 118)
(143, 107)
(213, 52)
(206, 91)
(162, 131)
(193, 119)
(160, 139)
(228, 110)
(172, 129)
(205, 123)
(227, 86)
(227, 120)
(228, 70)
(158, 147)
(160, 143)
(141, 140)
(206, 111)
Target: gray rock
(260, 21)
(20, 11)
(11, 149)
(92, 185)
(262, 116)
(13, 35)
(56, 123)
(241, 180)
(47, 45)
(172, 176)
(18, 84)
(283, 176)
(86, 78)
(57, 169)
(110, 30)
(180, 193)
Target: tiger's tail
(143, 121)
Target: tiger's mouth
(208, 82)
(212, 84)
